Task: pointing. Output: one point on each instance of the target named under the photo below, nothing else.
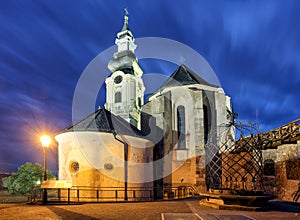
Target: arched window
(269, 168)
(118, 97)
(139, 102)
(205, 121)
(181, 127)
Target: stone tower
(125, 87)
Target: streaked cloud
(252, 46)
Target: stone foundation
(284, 182)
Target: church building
(152, 145)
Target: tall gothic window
(118, 97)
(205, 118)
(181, 127)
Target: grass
(6, 198)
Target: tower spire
(125, 26)
(125, 87)
(125, 39)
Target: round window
(74, 166)
(118, 79)
(108, 166)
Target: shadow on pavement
(65, 214)
(283, 206)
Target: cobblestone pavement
(167, 210)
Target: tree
(28, 176)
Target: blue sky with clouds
(252, 46)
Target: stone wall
(286, 178)
(95, 160)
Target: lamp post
(45, 140)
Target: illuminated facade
(125, 87)
(165, 137)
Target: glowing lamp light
(45, 140)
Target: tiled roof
(104, 121)
(185, 76)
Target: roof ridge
(177, 78)
(104, 121)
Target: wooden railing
(288, 133)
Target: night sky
(45, 46)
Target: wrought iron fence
(234, 158)
(82, 194)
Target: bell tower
(125, 87)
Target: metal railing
(82, 194)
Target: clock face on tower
(118, 79)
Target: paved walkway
(167, 210)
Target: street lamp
(45, 140)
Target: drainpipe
(125, 163)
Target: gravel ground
(145, 210)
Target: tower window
(118, 97)
(181, 127)
(118, 79)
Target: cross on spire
(125, 26)
(125, 39)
